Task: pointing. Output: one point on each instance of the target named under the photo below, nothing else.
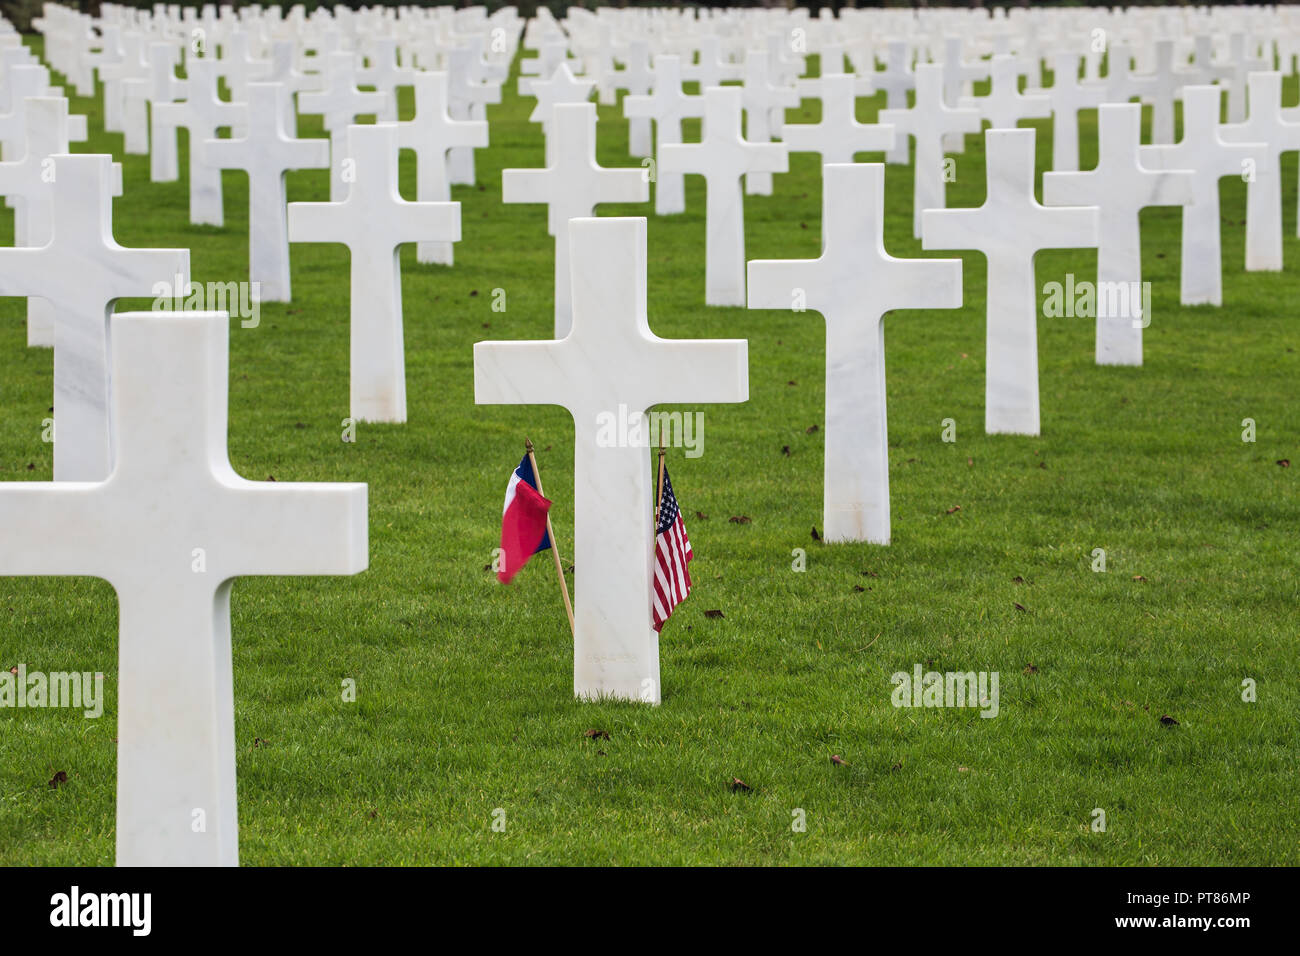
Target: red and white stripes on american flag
(672, 557)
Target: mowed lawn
(464, 687)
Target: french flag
(523, 522)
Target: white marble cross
(339, 102)
(959, 77)
(930, 122)
(373, 221)
(471, 86)
(896, 80)
(431, 133)
(1205, 152)
(1009, 229)
(853, 284)
(1161, 89)
(82, 272)
(1069, 96)
(667, 105)
(636, 78)
(171, 530)
(385, 75)
(1005, 105)
(1240, 64)
(1120, 188)
(164, 166)
(28, 185)
(266, 152)
(761, 97)
(722, 157)
(24, 82)
(838, 136)
(571, 185)
(202, 113)
(1266, 123)
(611, 363)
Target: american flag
(672, 557)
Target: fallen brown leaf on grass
(1168, 721)
(739, 519)
(58, 778)
(1138, 577)
(1284, 462)
(594, 734)
(739, 786)
(811, 429)
(815, 535)
(713, 613)
(701, 516)
(838, 760)
(1031, 669)
(785, 450)
(1019, 606)
(954, 508)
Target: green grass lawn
(465, 687)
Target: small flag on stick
(523, 522)
(672, 553)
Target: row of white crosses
(265, 146)
(139, 458)
(607, 358)
(140, 401)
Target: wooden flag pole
(659, 492)
(550, 533)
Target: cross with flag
(672, 554)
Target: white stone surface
(339, 102)
(202, 114)
(761, 97)
(82, 272)
(610, 360)
(27, 185)
(1205, 152)
(931, 123)
(1069, 95)
(722, 157)
(1265, 123)
(1120, 188)
(1005, 105)
(266, 153)
(562, 88)
(667, 105)
(853, 284)
(1009, 228)
(373, 221)
(571, 185)
(838, 136)
(171, 529)
(430, 134)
